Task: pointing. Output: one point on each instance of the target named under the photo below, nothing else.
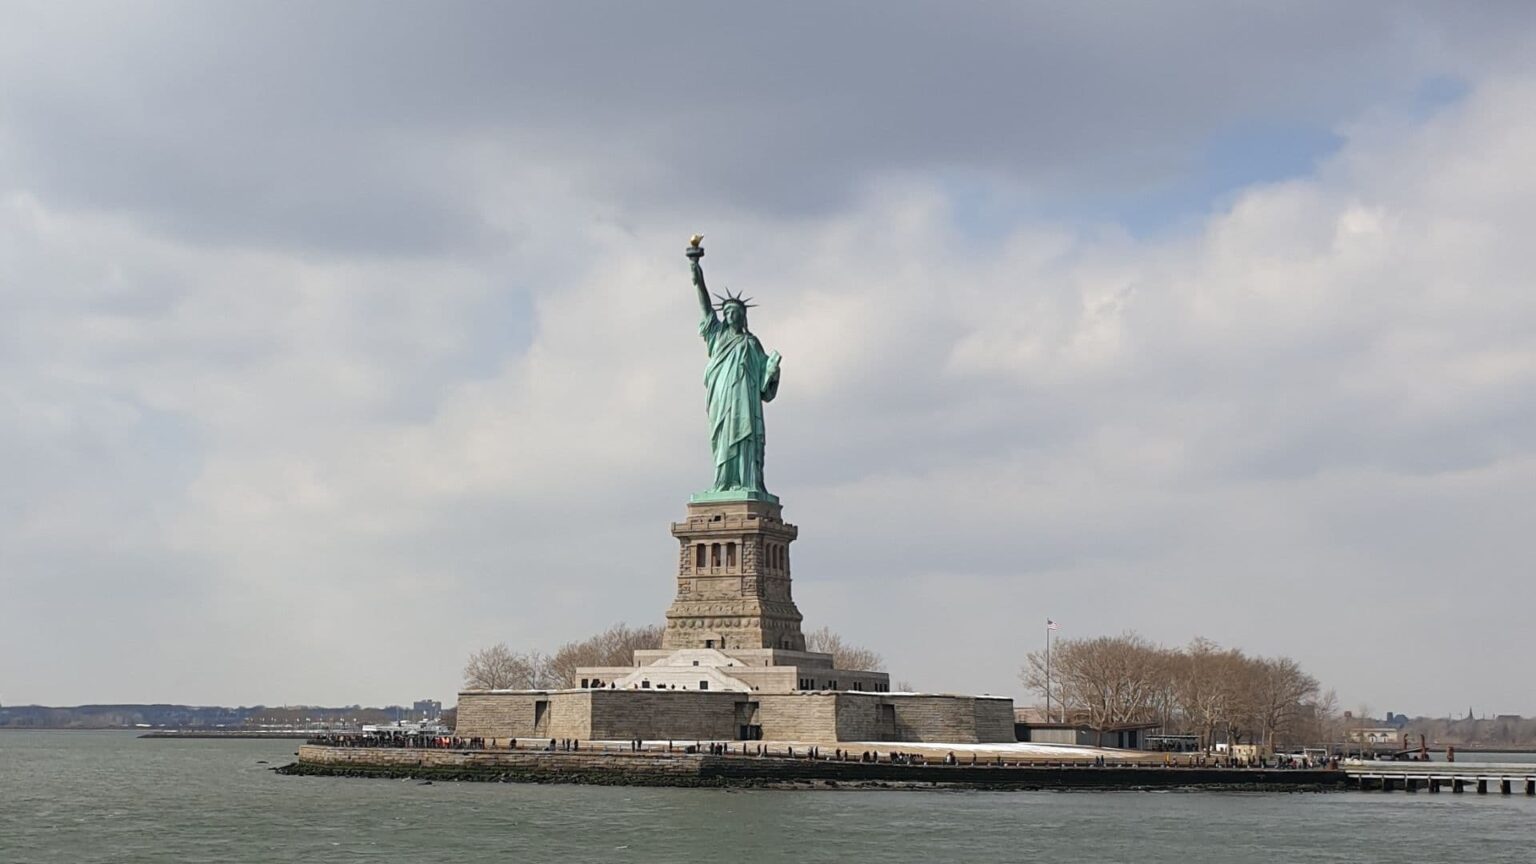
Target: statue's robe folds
(740, 377)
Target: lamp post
(1049, 626)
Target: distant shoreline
(177, 733)
(164, 733)
(172, 732)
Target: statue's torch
(694, 250)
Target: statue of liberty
(740, 377)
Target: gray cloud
(350, 126)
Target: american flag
(1051, 625)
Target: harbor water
(83, 797)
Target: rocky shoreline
(711, 771)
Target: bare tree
(1034, 675)
(1108, 680)
(845, 655)
(1202, 688)
(615, 646)
(500, 668)
(1277, 690)
(1207, 687)
(1318, 720)
(1165, 693)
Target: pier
(1504, 778)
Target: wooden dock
(1506, 778)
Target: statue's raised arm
(695, 253)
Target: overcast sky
(338, 340)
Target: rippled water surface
(110, 797)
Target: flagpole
(1047, 671)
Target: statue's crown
(729, 298)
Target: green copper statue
(740, 377)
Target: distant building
(1029, 724)
(1377, 736)
(1179, 743)
(427, 709)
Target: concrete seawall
(692, 769)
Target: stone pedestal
(733, 579)
(733, 625)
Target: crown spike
(733, 297)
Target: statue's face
(735, 316)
